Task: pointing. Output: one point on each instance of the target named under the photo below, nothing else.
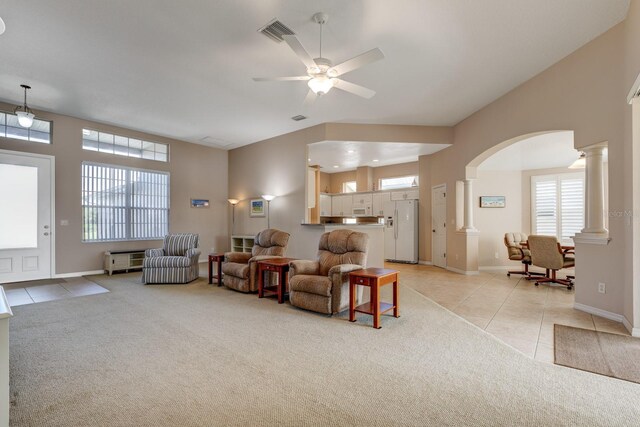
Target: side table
(280, 266)
(219, 258)
(374, 278)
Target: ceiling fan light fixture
(24, 113)
(321, 85)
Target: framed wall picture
(493, 202)
(256, 208)
(199, 203)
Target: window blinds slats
(558, 205)
(123, 204)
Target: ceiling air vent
(275, 30)
(298, 117)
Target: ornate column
(468, 206)
(594, 193)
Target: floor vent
(298, 117)
(275, 30)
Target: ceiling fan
(322, 75)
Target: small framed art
(493, 202)
(256, 208)
(199, 203)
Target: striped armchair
(175, 262)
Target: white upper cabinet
(412, 194)
(325, 205)
(378, 203)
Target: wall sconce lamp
(233, 202)
(268, 198)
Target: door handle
(433, 231)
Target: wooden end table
(374, 278)
(279, 266)
(219, 258)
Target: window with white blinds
(120, 203)
(557, 205)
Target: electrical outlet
(602, 288)
(64, 222)
(457, 257)
(497, 255)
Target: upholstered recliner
(175, 262)
(323, 285)
(240, 269)
(515, 243)
(547, 253)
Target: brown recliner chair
(515, 243)
(547, 253)
(240, 269)
(323, 285)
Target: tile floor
(512, 309)
(50, 290)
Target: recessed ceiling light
(336, 166)
(376, 160)
(351, 151)
(309, 160)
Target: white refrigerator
(401, 231)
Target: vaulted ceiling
(183, 69)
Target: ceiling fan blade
(300, 51)
(309, 99)
(354, 88)
(359, 61)
(280, 79)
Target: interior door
(439, 225)
(406, 226)
(25, 217)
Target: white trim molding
(608, 315)
(466, 273)
(496, 267)
(591, 239)
(77, 274)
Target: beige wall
(325, 182)
(195, 171)
(494, 222)
(339, 178)
(390, 171)
(585, 93)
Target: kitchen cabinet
(378, 203)
(325, 205)
(341, 205)
(412, 194)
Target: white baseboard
(635, 332)
(425, 262)
(77, 274)
(603, 313)
(466, 273)
(496, 267)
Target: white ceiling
(348, 155)
(183, 69)
(551, 150)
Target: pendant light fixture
(24, 113)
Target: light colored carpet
(200, 355)
(607, 354)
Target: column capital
(595, 148)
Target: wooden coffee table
(374, 278)
(218, 258)
(279, 266)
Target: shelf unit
(242, 243)
(123, 261)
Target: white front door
(439, 225)
(25, 217)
